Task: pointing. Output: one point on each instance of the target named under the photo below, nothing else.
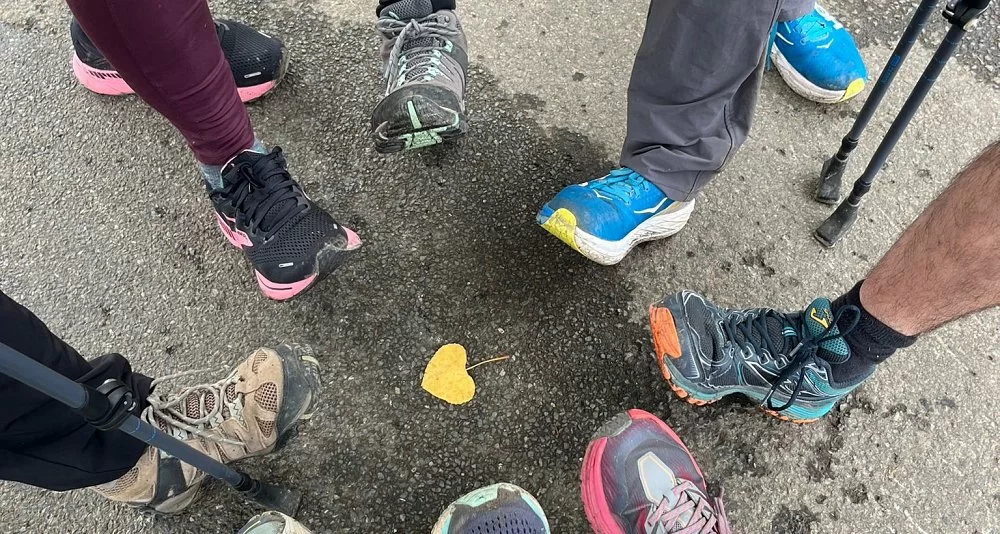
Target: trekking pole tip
(828, 191)
(276, 498)
(837, 224)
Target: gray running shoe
(426, 62)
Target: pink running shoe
(638, 478)
(258, 61)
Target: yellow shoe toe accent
(562, 224)
(852, 90)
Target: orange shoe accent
(786, 418)
(664, 332)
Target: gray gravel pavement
(107, 236)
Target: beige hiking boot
(274, 523)
(245, 414)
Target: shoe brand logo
(824, 321)
(655, 208)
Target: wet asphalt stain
(452, 254)
(788, 521)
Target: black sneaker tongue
(411, 9)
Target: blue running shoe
(606, 218)
(783, 361)
(497, 509)
(818, 59)
(639, 478)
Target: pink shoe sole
(327, 260)
(595, 505)
(109, 82)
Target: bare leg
(947, 263)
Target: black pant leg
(42, 442)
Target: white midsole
(658, 226)
(800, 84)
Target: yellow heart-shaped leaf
(446, 378)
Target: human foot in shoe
(639, 478)
(426, 63)
(291, 242)
(606, 218)
(818, 59)
(789, 363)
(498, 509)
(245, 414)
(258, 61)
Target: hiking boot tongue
(817, 318)
(410, 9)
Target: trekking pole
(830, 177)
(962, 15)
(110, 407)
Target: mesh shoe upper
(497, 509)
(237, 417)
(611, 207)
(254, 58)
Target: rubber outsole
(562, 223)
(416, 139)
(665, 345)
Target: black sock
(437, 4)
(871, 341)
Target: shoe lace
(812, 28)
(704, 518)
(805, 347)
(211, 404)
(422, 61)
(623, 184)
(262, 193)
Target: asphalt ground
(107, 236)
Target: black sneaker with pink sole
(258, 61)
(291, 242)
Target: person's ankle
(871, 341)
(212, 174)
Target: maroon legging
(169, 53)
